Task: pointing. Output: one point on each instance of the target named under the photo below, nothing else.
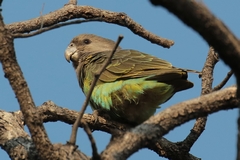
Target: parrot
(132, 86)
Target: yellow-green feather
(130, 90)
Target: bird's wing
(127, 64)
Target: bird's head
(86, 44)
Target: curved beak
(69, 52)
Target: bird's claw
(95, 115)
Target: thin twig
(41, 30)
(41, 16)
(96, 77)
(225, 80)
(93, 143)
(207, 80)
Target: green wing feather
(128, 64)
(131, 64)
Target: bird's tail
(190, 70)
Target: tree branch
(220, 100)
(32, 118)
(225, 80)
(157, 126)
(214, 31)
(41, 30)
(52, 112)
(86, 128)
(207, 80)
(13, 139)
(69, 12)
(15, 76)
(169, 150)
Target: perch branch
(160, 124)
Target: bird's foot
(95, 115)
(101, 113)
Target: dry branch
(69, 12)
(207, 80)
(225, 80)
(225, 99)
(157, 126)
(214, 31)
(15, 76)
(32, 118)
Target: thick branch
(32, 118)
(13, 139)
(52, 113)
(169, 150)
(154, 128)
(15, 76)
(72, 12)
(197, 16)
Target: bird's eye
(71, 45)
(86, 41)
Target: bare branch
(210, 28)
(155, 127)
(52, 112)
(41, 30)
(32, 118)
(225, 80)
(207, 72)
(91, 139)
(225, 99)
(69, 12)
(169, 150)
(19, 145)
(207, 80)
(13, 139)
(96, 77)
(15, 76)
